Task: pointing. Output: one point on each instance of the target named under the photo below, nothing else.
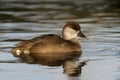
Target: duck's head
(72, 30)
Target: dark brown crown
(73, 25)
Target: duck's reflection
(69, 61)
(72, 68)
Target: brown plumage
(51, 43)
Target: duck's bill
(82, 35)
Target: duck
(52, 44)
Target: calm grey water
(24, 19)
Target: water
(24, 19)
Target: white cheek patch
(70, 33)
(76, 34)
(18, 52)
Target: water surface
(24, 19)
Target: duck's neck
(70, 34)
(75, 40)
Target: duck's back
(48, 38)
(53, 43)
